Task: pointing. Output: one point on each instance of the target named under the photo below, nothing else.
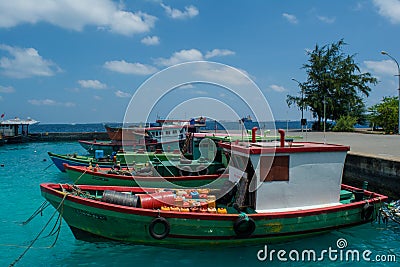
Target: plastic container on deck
(194, 194)
(114, 197)
(211, 201)
(156, 200)
(358, 195)
(98, 154)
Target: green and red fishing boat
(153, 173)
(277, 191)
(108, 161)
(115, 146)
(147, 178)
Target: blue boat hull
(59, 161)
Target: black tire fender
(186, 171)
(202, 170)
(244, 226)
(162, 221)
(221, 171)
(367, 211)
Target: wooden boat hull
(144, 135)
(89, 218)
(84, 176)
(76, 160)
(114, 146)
(72, 160)
(129, 134)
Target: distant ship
(247, 119)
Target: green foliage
(385, 114)
(320, 126)
(334, 84)
(345, 124)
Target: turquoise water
(27, 165)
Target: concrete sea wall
(69, 136)
(382, 175)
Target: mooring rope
(55, 229)
(80, 176)
(41, 231)
(58, 230)
(48, 166)
(38, 211)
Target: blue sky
(82, 61)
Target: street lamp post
(302, 104)
(398, 74)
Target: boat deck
(346, 197)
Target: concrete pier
(373, 158)
(68, 136)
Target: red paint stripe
(50, 188)
(307, 147)
(83, 169)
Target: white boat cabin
(286, 176)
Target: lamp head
(293, 79)
(384, 53)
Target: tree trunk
(319, 123)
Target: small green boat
(124, 158)
(93, 216)
(156, 173)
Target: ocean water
(24, 166)
(210, 125)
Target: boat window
(167, 132)
(274, 168)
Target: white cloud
(128, 23)
(50, 102)
(223, 75)
(179, 57)
(6, 89)
(25, 63)
(68, 104)
(75, 15)
(326, 19)
(277, 88)
(389, 9)
(150, 40)
(95, 84)
(291, 18)
(129, 68)
(96, 97)
(186, 86)
(386, 67)
(190, 12)
(219, 52)
(73, 90)
(122, 94)
(200, 92)
(358, 6)
(191, 55)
